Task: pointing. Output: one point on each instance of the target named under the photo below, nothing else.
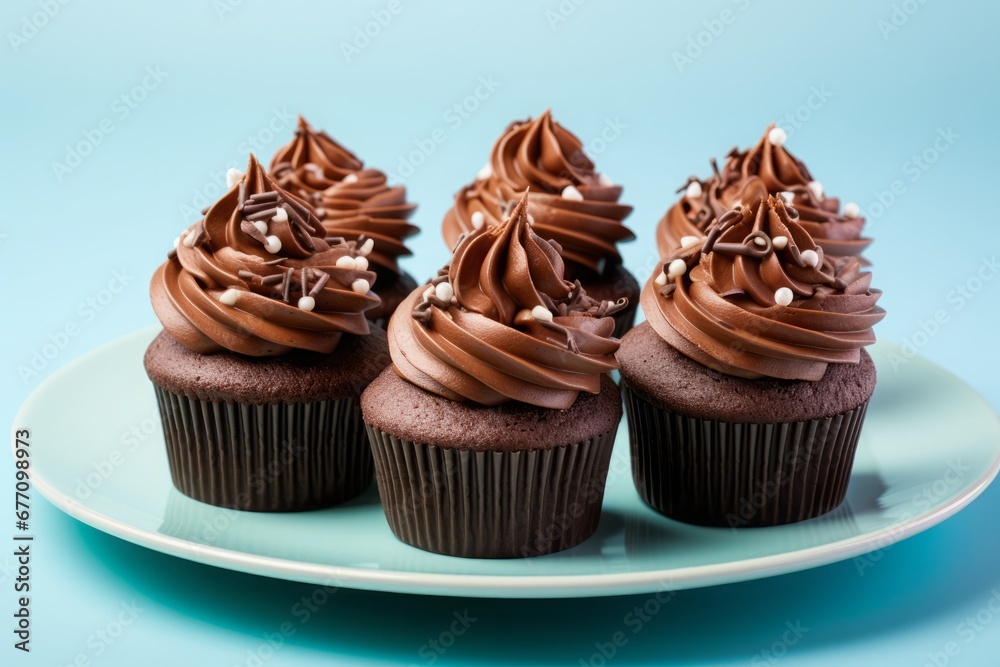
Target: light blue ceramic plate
(929, 447)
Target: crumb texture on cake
(676, 383)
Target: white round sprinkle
(478, 219)
(351, 178)
(367, 247)
(760, 241)
(444, 291)
(313, 167)
(605, 180)
(779, 242)
(661, 279)
(541, 313)
(273, 244)
(280, 215)
(361, 286)
(307, 303)
(787, 196)
(261, 226)
(361, 263)
(677, 268)
(177, 241)
(189, 239)
(570, 192)
(485, 172)
(810, 257)
(777, 137)
(233, 176)
(689, 241)
(851, 210)
(346, 262)
(783, 296)
(229, 297)
(693, 190)
(816, 188)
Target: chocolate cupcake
(493, 429)
(747, 387)
(265, 352)
(354, 202)
(766, 169)
(569, 203)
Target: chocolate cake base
(266, 434)
(510, 481)
(713, 449)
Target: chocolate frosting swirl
(501, 323)
(765, 169)
(718, 299)
(351, 200)
(257, 276)
(569, 201)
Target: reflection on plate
(930, 446)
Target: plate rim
(498, 585)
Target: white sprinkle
(361, 286)
(689, 241)
(677, 268)
(661, 279)
(570, 192)
(367, 247)
(351, 178)
(261, 226)
(485, 172)
(189, 239)
(229, 297)
(760, 241)
(346, 262)
(177, 241)
(429, 292)
(307, 303)
(478, 219)
(273, 244)
(810, 257)
(280, 215)
(313, 167)
(233, 176)
(779, 242)
(444, 291)
(361, 263)
(693, 190)
(851, 210)
(783, 296)
(816, 188)
(541, 313)
(605, 180)
(787, 196)
(777, 137)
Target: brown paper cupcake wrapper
(491, 504)
(717, 473)
(279, 457)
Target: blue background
(889, 89)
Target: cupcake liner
(498, 504)
(717, 473)
(277, 457)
